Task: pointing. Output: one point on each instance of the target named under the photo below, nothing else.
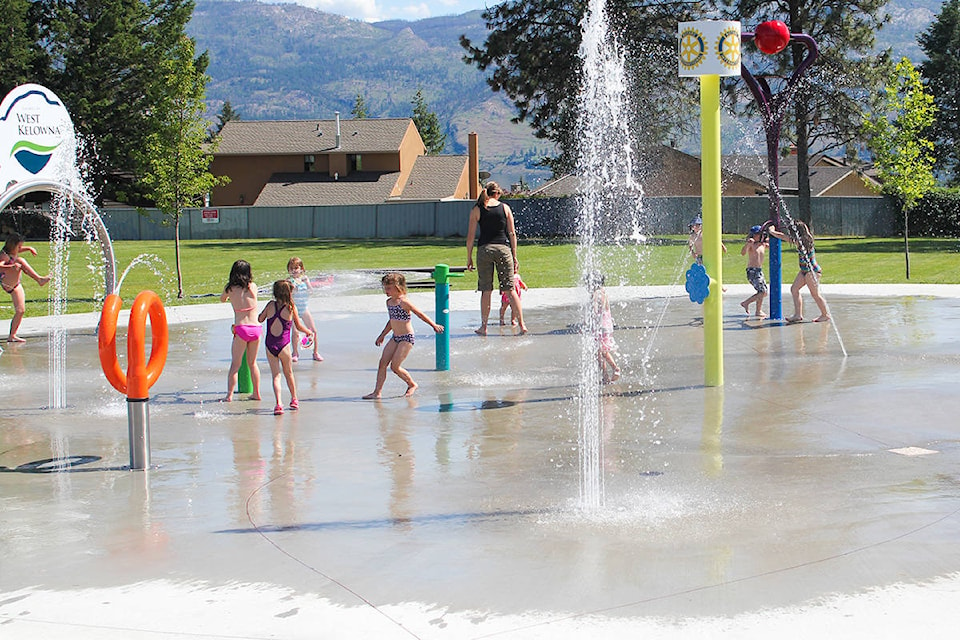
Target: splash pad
(809, 493)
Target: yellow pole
(712, 253)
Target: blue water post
(776, 279)
(441, 276)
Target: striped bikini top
(397, 312)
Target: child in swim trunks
(241, 292)
(11, 267)
(281, 315)
(754, 248)
(301, 297)
(401, 343)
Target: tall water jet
(607, 188)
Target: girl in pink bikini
(241, 292)
(11, 266)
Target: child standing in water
(241, 292)
(606, 346)
(401, 343)
(281, 315)
(755, 248)
(301, 297)
(518, 286)
(11, 267)
(810, 271)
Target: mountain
(286, 61)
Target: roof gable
(434, 178)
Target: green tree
(227, 113)
(428, 124)
(828, 106)
(177, 160)
(104, 60)
(941, 43)
(896, 134)
(22, 59)
(531, 52)
(359, 110)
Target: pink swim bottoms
(247, 332)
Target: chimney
(337, 113)
(473, 165)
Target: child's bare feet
(255, 396)
(615, 376)
(794, 319)
(482, 331)
(372, 396)
(410, 389)
(15, 339)
(317, 357)
(761, 315)
(823, 319)
(43, 280)
(746, 307)
(227, 398)
(523, 330)
(502, 322)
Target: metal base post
(138, 429)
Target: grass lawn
(206, 263)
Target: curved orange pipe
(141, 374)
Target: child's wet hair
(12, 241)
(295, 263)
(283, 292)
(397, 279)
(594, 280)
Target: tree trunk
(906, 241)
(176, 250)
(803, 160)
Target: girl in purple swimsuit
(241, 292)
(280, 314)
(399, 346)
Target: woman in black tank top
(496, 250)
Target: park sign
(708, 48)
(36, 134)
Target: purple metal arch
(772, 110)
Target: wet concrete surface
(804, 494)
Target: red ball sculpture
(771, 36)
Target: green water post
(441, 276)
(244, 382)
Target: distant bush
(937, 214)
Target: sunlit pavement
(813, 495)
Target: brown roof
(286, 137)
(313, 189)
(434, 178)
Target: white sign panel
(36, 136)
(709, 48)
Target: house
(275, 163)
(665, 172)
(670, 172)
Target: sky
(377, 10)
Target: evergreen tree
(828, 106)
(227, 113)
(22, 59)
(177, 163)
(941, 43)
(104, 60)
(532, 49)
(434, 139)
(359, 110)
(896, 135)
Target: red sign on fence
(210, 216)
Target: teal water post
(441, 276)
